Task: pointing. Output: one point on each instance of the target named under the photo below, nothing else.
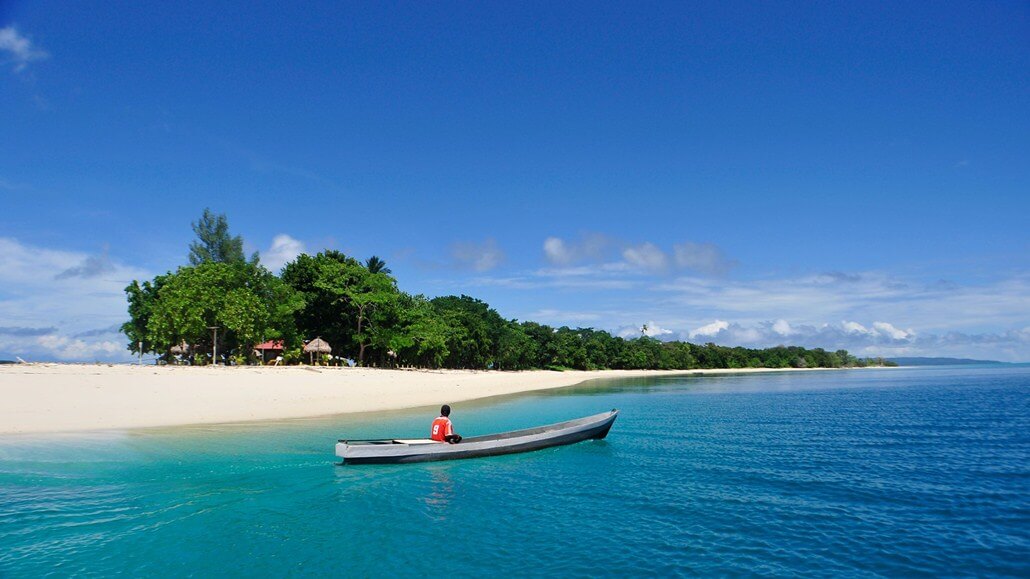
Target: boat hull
(393, 452)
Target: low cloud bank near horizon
(62, 305)
(867, 313)
(877, 338)
(67, 305)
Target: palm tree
(376, 265)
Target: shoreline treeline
(357, 308)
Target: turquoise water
(867, 473)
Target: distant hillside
(916, 361)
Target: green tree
(142, 299)
(516, 350)
(244, 300)
(376, 265)
(323, 313)
(366, 295)
(475, 329)
(213, 243)
(421, 339)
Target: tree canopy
(359, 310)
(214, 243)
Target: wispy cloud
(705, 258)
(820, 298)
(646, 257)
(559, 279)
(17, 50)
(109, 331)
(259, 162)
(10, 186)
(590, 247)
(479, 256)
(21, 332)
(596, 250)
(91, 266)
(564, 317)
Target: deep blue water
(859, 473)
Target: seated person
(442, 430)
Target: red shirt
(441, 428)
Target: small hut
(179, 350)
(317, 346)
(269, 350)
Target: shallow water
(873, 472)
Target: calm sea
(858, 473)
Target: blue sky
(838, 175)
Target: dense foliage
(358, 309)
(213, 241)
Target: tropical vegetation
(357, 308)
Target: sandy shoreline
(41, 398)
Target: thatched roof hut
(317, 346)
(181, 349)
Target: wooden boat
(422, 450)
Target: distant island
(331, 309)
(920, 361)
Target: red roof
(270, 345)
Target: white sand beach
(40, 398)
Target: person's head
(445, 410)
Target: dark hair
(445, 410)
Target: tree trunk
(361, 343)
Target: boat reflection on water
(438, 501)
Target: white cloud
(17, 50)
(557, 252)
(782, 327)
(878, 339)
(646, 256)
(712, 329)
(67, 348)
(855, 328)
(282, 251)
(478, 256)
(52, 303)
(650, 329)
(892, 332)
(653, 330)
